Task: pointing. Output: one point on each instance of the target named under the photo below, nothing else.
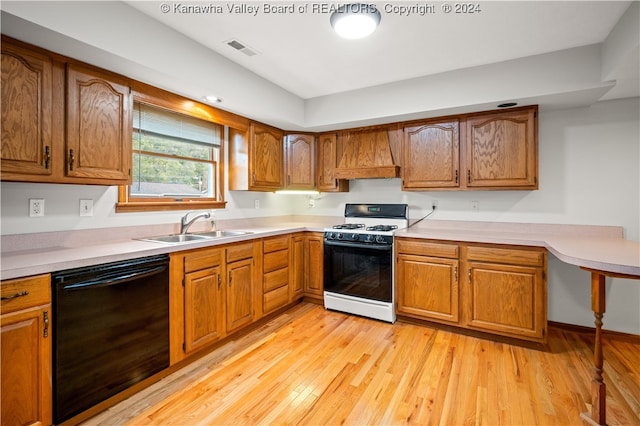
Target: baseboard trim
(635, 338)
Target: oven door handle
(359, 245)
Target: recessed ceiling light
(355, 20)
(213, 99)
(507, 104)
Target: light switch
(86, 207)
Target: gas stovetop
(369, 223)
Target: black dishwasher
(111, 330)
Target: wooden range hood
(369, 153)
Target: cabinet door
(427, 287)
(314, 258)
(502, 150)
(328, 156)
(266, 158)
(26, 367)
(301, 161)
(431, 156)
(296, 281)
(507, 299)
(204, 319)
(99, 126)
(26, 112)
(239, 294)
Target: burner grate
(382, 228)
(349, 226)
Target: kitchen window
(177, 161)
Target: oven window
(358, 271)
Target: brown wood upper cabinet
(99, 125)
(300, 153)
(431, 155)
(27, 113)
(256, 158)
(266, 158)
(489, 150)
(329, 153)
(502, 149)
(62, 122)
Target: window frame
(159, 98)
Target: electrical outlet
(256, 204)
(312, 202)
(475, 206)
(36, 207)
(434, 204)
(86, 207)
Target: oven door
(357, 269)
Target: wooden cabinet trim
(275, 243)
(239, 251)
(275, 260)
(201, 259)
(514, 256)
(421, 247)
(22, 293)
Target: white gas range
(358, 266)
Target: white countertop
(596, 247)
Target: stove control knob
(369, 238)
(339, 236)
(355, 237)
(379, 239)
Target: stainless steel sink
(220, 234)
(177, 238)
(193, 237)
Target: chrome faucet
(184, 224)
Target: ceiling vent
(241, 47)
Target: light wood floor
(315, 367)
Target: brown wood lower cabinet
(429, 276)
(212, 292)
(203, 299)
(313, 266)
(275, 281)
(490, 288)
(506, 291)
(297, 267)
(26, 351)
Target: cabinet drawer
(275, 299)
(275, 279)
(275, 244)
(425, 248)
(513, 256)
(24, 293)
(239, 252)
(276, 260)
(202, 259)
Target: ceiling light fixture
(213, 99)
(355, 20)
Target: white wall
(589, 174)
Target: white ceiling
(300, 53)
(557, 54)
